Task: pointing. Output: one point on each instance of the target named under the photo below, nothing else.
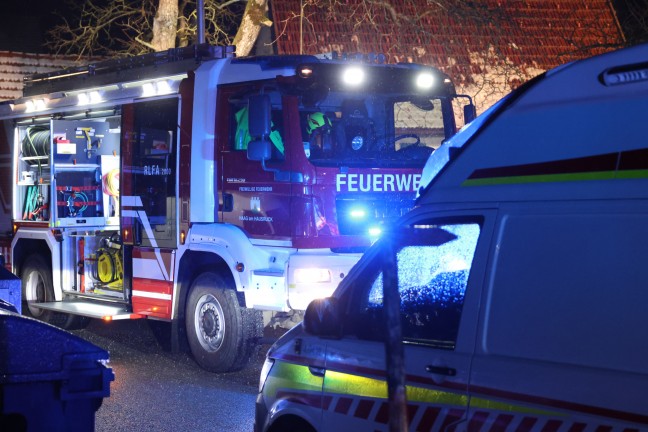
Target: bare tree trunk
(253, 18)
(165, 25)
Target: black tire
(222, 335)
(37, 287)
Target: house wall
(488, 47)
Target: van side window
(432, 284)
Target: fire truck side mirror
(259, 116)
(470, 113)
(322, 318)
(259, 150)
(260, 124)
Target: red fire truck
(200, 189)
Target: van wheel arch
(291, 423)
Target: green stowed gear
(242, 137)
(317, 120)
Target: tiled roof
(16, 65)
(466, 39)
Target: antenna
(201, 21)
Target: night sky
(24, 23)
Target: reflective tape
(365, 399)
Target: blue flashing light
(358, 213)
(375, 231)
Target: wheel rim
(209, 323)
(35, 292)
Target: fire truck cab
(199, 189)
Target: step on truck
(201, 189)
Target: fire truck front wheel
(222, 335)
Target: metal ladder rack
(146, 66)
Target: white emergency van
(522, 274)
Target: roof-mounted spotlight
(35, 105)
(425, 81)
(89, 98)
(163, 87)
(353, 76)
(148, 89)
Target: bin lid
(7, 306)
(7, 275)
(31, 350)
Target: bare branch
(124, 27)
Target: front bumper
(260, 414)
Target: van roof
(577, 131)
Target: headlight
(265, 371)
(312, 275)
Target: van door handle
(317, 371)
(441, 370)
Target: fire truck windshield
(376, 130)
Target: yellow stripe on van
(347, 384)
(296, 377)
(506, 407)
(299, 378)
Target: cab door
(256, 197)
(439, 287)
(148, 202)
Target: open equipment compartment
(68, 173)
(33, 173)
(99, 258)
(85, 160)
